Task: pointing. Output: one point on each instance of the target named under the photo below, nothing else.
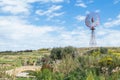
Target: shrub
(103, 50)
(70, 50)
(77, 74)
(46, 74)
(56, 53)
(68, 64)
(3, 75)
(106, 61)
(59, 53)
(43, 75)
(90, 76)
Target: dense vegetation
(70, 63)
(59, 53)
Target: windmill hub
(92, 28)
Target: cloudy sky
(34, 24)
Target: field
(66, 63)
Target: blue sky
(34, 24)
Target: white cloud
(109, 19)
(90, 1)
(81, 5)
(21, 6)
(54, 8)
(77, 37)
(97, 11)
(118, 16)
(108, 37)
(113, 23)
(116, 1)
(51, 12)
(80, 18)
(57, 0)
(55, 15)
(16, 29)
(14, 6)
(17, 34)
(87, 12)
(53, 1)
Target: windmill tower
(91, 21)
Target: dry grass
(67, 64)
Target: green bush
(56, 53)
(85, 67)
(77, 74)
(106, 61)
(103, 50)
(47, 74)
(71, 51)
(59, 53)
(90, 76)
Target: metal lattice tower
(92, 40)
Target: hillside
(86, 58)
